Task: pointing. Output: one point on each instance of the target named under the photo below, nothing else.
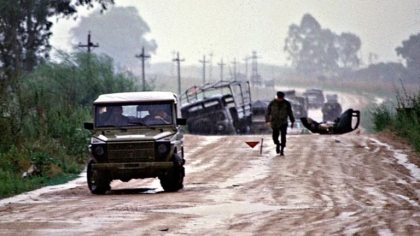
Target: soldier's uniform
(277, 113)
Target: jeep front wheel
(97, 182)
(172, 180)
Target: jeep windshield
(133, 114)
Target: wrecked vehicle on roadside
(347, 122)
(217, 108)
(136, 135)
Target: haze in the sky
(232, 29)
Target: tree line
(317, 52)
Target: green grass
(11, 184)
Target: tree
(50, 95)
(390, 73)
(316, 51)
(120, 33)
(24, 42)
(348, 46)
(80, 78)
(302, 43)
(25, 29)
(410, 51)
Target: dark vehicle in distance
(258, 117)
(299, 103)
(315, 98)
(331, 109)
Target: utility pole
(211, 65)
(173, 65)
(89, 44)
(255, 77)
(221, 64)
(204, 68)
(234, 69)
(143, 58)
(246, 59)
(179, 72)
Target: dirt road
(352, 184)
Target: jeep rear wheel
(173, 180)
(97, 182)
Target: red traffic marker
(252, 144)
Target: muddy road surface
(351, 184)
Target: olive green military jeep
(136, 135)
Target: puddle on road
(199, 163)
(402, 159)
(223, 209)
(213, 216)
(234, 208)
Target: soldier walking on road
(276, 115)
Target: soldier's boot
(277, 148)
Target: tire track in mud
(237, 166)
(234, 166)
(338, 187)
(324, 185)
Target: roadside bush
(382, 116)
(43, 119)
(404, 120)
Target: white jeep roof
(136, 97)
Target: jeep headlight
(162, 148)
(99, 150)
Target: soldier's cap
(280, 94)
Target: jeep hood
(118, 137)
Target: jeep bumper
(133, 166)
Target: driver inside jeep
(157, 117)
(114, 117)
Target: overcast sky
(232, 29)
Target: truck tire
(173, 180)
(97, 182)
(205, 126)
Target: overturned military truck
(223, 107)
